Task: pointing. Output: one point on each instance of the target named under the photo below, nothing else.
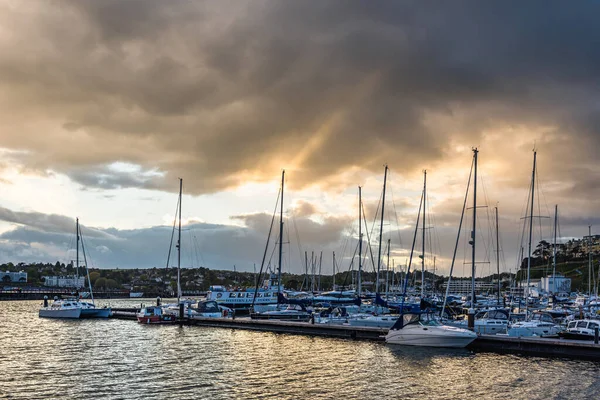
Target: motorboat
(541, 324)
(209, 309)
(60, 309)
(489, 322)
(580, 330)
(245, 299)
(416, 329)
(154, 315)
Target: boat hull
(440, 336)
(71, 313)
(95, 313)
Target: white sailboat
(540, 324)
(65, 308)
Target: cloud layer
(234, 92)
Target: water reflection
(45, 358)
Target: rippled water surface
(46, 358)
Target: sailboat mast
(498, 253)
(333, 288)
(280, 237)
(423, 234)
(530, 229)
(554, 250)
(77, 251)
(359, 241)
(381, 229)
(474, 231)
(589, 260)
(179, 245)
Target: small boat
(580, 330)
(541, 324)
(416, 329)
(60, 309)
(154, 315)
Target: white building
(563, 284)
(64, 281)
(13, 276)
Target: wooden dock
(532, 346)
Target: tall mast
(179, 245)
(381, 229)
(498, 253)
(77, 251)
(554, 250)
(423, 239)
(333, 288)
(280, 238)
(359, 241)
(474, 231)
(530, 229)
(589, 260)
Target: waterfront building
(563, 284)
(64, 281)
(13, 277)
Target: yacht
(540, 324)
(414, 329)
(490, 322)
(580, 330)
(243, 299)
(60, 309)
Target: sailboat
(283, 311)
(423, 329)
(538, 325)
(74, 307)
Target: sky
(105, 104)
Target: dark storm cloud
(231, 90)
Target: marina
(174, 361)
(534, 346)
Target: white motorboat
(541, 324)
(414, 329)
(583, 329)
(61, 309)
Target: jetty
(532, 346)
